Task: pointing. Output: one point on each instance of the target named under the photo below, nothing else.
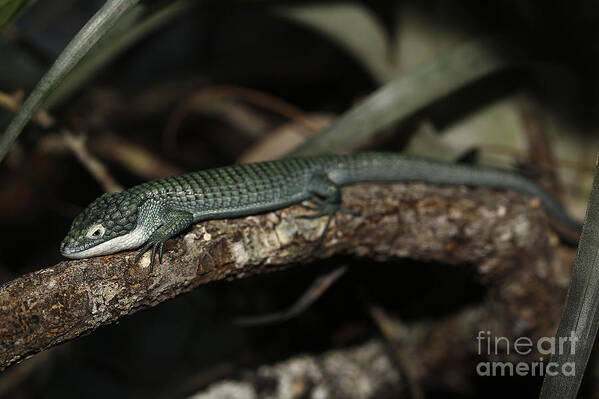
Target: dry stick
(539, 147)
(214, 93)
(91, 163)
(580, 320)
(523, 155)
(133, 157)
(318, 287)
(13, 103)
(255, 97)
(387, 328)
(44, 308)
(87, 37)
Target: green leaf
(407, 94)
(88, 36)
(133, 26)
(580, 317)
(8, 8)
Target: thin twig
(13, 103)
(91, 163)
(280, 141)
(387, 328)
(134, 158)
(315, 291)
(214, 93)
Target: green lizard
(149, 214)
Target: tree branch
(453, 225)
(364, 371)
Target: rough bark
(504, 234)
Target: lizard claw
(346, 211)
(143, 251)
(156, 247)
(160, 248)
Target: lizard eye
(95, 231)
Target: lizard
(149, 214)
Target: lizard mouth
(82, 249)
(85, 249)
(63, 248)
(71, 250)
(75, 250)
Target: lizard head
(106, 226)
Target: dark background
(186, 343)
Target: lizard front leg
(173, 223)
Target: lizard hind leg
(326, 196)
(174, 222)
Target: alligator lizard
(149, 214)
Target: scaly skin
(153, 212)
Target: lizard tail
(369, 167)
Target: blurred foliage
(367, 40)
(10, 8)
(88, 36)
(132, 27)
